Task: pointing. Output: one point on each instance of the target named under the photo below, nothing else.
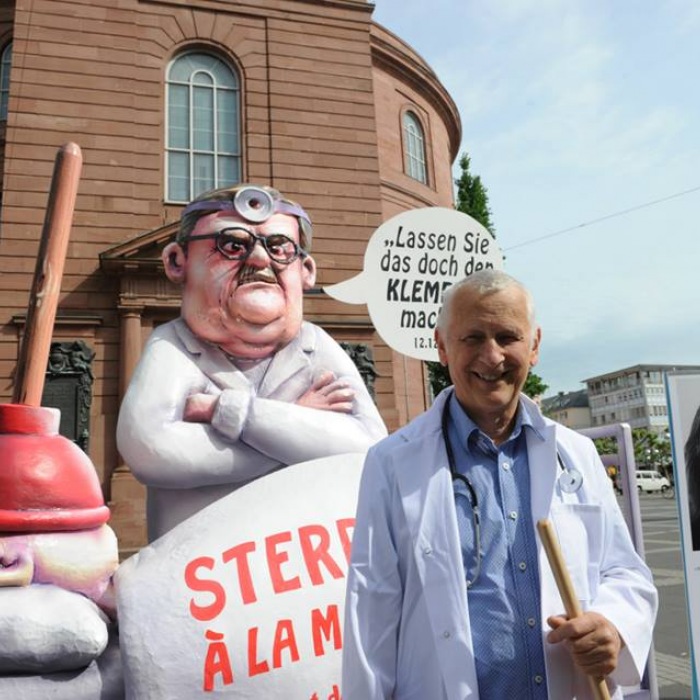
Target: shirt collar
(532, 418)
(467, 429)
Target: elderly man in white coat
(239, 385)
(449, 593)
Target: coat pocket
(579, 528)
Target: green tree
(472, 196)
(438, 376)
(606, 446)
(534, 386)
(473, 199)
(652, 450)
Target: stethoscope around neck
(570, 481)
(471, 491)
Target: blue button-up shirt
(504, 602)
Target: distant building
(635, 395)
(569, 408)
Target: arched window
(5, 63)
(414, 148)
(203, 131)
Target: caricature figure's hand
(328, 394)
(199, 408)
(592, 639)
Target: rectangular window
(203, 166)
(178, 118)
(179, 176)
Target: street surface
(663, 556)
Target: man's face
(251, 307)
(489, 346)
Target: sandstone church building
(168, 98)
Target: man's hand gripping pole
(566, 590)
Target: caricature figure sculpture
(239, 385)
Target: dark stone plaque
(62, 392)
(363, 358)
(68, 387)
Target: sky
(582, 118)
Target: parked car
(649, 481)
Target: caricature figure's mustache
(254, 274)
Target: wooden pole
(566, 590)
(46, 287)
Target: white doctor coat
(407, 634)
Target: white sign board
(410, 262)
(684, 406)
(245, 598)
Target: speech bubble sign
(410, 262)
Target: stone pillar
(130, 348)
(128, 502)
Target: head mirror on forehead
(256, 205)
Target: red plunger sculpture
(57, 555)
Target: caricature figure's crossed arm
(248, 436)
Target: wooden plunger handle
(566, 590)
(46, 287)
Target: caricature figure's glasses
(237, 244)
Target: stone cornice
(395, 55)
